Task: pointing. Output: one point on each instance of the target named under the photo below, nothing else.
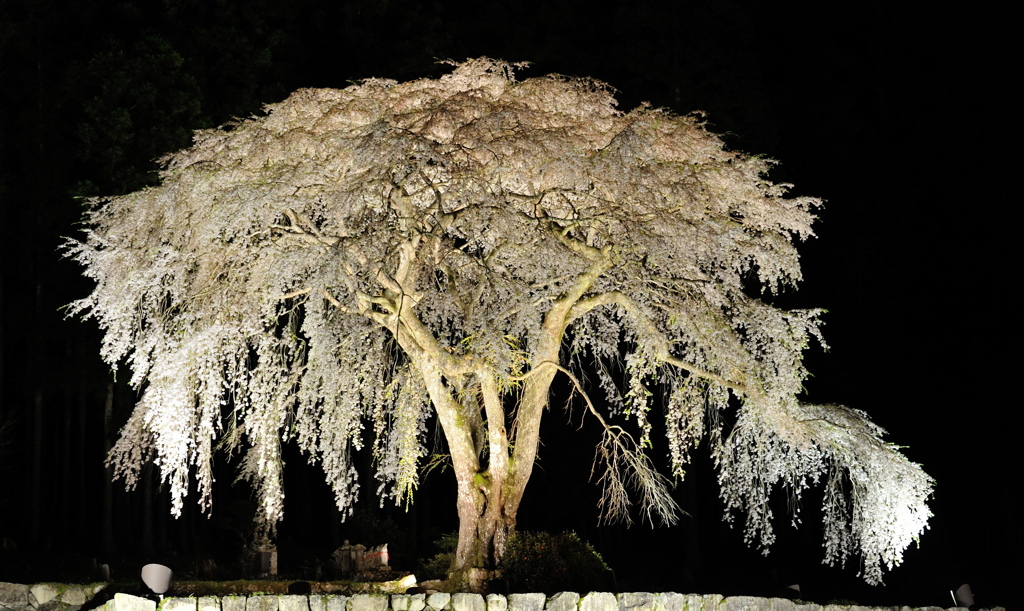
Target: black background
(899, 114)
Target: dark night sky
(897, 113)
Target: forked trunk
(488, 496)
(484, 527)
(491, 477)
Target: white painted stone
(368, 602)
(563, 601)
(400, 602)
(496, 602)
(469, 602)
(526, 602)
(43, 593)
(317, 602)
(439, 600)
(178, 604)
(599, 601)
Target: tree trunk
(488, 495)
(486, 517)
(483, 529)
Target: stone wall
(14, 597)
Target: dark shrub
(542, 562)
(437, 566)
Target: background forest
(898, 114)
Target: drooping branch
(650, 334)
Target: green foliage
(542, 562)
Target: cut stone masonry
(60, 597)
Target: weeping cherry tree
(391, 252)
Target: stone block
(697, 602)
(439, 600)
(127, 602)
(233, 603)
(337, 602)
(668, 601)
(261, 603)
(55, 605)
(599, 601)
(636, 601)
(208, 603)
(14, 596)
(408, 602)
(526, 602)
(496, 602)
(784, 604)
(292, 602)
(368, 602)
(317, 602)
(417, 602)
(42, 593)
(744, 603)
(75, 596)
(563, 601)
(469, 602)
(178, 604)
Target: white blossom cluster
(298, 274)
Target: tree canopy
(389, 251)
